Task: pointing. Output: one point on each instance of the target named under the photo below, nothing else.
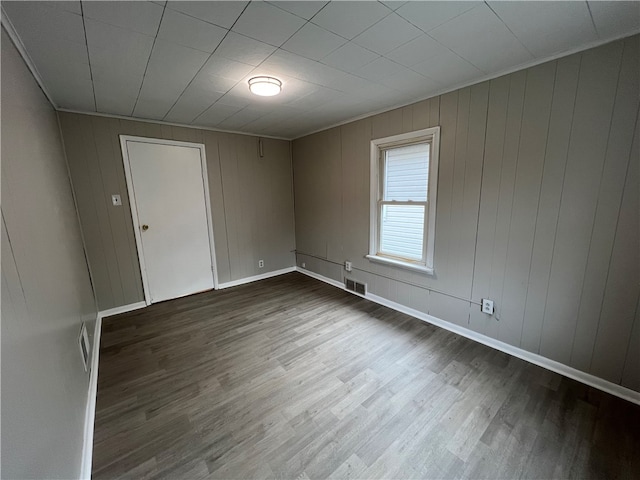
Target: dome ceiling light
(265, 86)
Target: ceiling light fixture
(265, 86)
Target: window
(404, 171)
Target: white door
(169, 205)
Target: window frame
(378, 147)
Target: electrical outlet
(304, 265)
(260, 263)
(347, 266)
(487, 306)
(116, 200)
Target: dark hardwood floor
(292, 378)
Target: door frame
(134, 208)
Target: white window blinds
(404, 201)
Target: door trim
(134, 208)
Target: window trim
(427, 135)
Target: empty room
(320, 239)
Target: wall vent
(85, 346)
(354, 286)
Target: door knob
(145, 228)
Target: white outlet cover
(116, 200)
(487, 306)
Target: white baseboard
(544, 362)
(90, 414)
(262, 276)
(324, 279)
(122, 309)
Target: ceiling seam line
(202, 66)
(274, 5)
(593, 22)
(86, 44)
(510, 31)
(238, 82)
(144, 75)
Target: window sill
(400, 264)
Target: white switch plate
(487, 306)
(347, 266)
(116, 200)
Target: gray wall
(251, 201)
(537, 209)
(46, 292)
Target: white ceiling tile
(51, 67)
(171, 68)
(114, 50)
(215, 114)
(263, 123)
(69, 6)
(360, 87)
(546, 28)
(377, 69)
(317, 97)
(394, 4)
(244, 49)
(129, 88)
(236, 99)
(448, 69)
(292, 65)
(187, 83)
(114, 99)
(190, 32)
(170, 60)
(304, 9)
(72, 93)
(313, 42)
(60, 53)
(429, 15)
(409, 81)
(349, 19)
(416, 51)
(102, 72)
(153, 107)
(159, 94)
(239, 119)
(117, 79)
(481, 38)
(388, 34)
(614, 19)
(39, 20)
(267, 23)
(223, 14)
(191, 104)
(142, 17)
(226, 68)
(349, 57)
(80, 100)
(213, 83)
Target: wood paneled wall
(537, 209)
(251, 201)
(46, 290)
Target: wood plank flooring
(293, 378)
